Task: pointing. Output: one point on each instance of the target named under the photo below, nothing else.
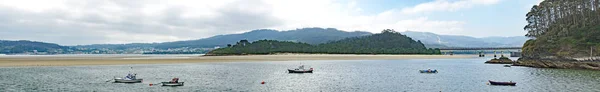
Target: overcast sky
(76, 22)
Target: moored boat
(506, 65)
(130, 78)
(300, 69)
(173, 82)
(428, 71)
(120, 80)
(510, 83)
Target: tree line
(561, 15)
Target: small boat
(120, 80)
(428, 71)
(130, 78)
(173, 82)
(300, 69)
(510, 83)
(506, 65)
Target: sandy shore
(66, 60)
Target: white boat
(300, 69)
(130, 78)
(120, 80)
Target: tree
(557, 16)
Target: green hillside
(387, 42)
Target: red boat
(510, 83)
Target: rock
(501, 60)
(558, 64)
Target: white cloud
(445, 5)
(423, 24)
(72, 22)
(94, 21)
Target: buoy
(263, 82)
(151, 84)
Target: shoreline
(19, 61)
(558, 64)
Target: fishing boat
(173, 82)
(130, 78)
(300, 69)
(510, 83)
(428, 71)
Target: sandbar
(75, 60)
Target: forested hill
(22, 46)
(563, 29)
(387, 42)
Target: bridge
(513, 51)
(481, 48)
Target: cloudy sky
(76, 22)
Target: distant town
(183, 50)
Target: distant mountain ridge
(432, 40)
(306, 35)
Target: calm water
(354, 75)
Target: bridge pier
(515, 54)
(481, 54)
(494, 54)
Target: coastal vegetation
(562, 30)
(386, 42)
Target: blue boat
(428, 71)
(510, 83)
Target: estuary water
(454, 75)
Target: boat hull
(425, 71)
(503, 83)
(172, 84)
(128, 81)
(300, 71)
